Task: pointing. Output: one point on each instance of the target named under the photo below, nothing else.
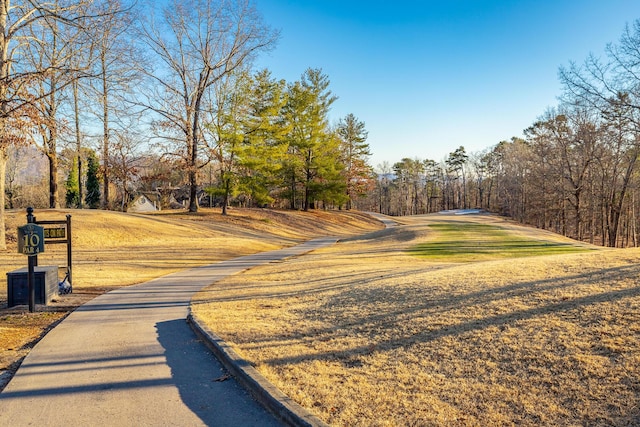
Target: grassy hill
(514, 326)
(112, 249)
(442, 320)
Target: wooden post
(32, 262)
(69, 249)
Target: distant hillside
(28, 162)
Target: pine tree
(227, 131)
(310, 154)
(249, 134)
(355, 153)
(72, 186)
(264, 145)
(328, 185)
(92, 197)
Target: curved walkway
(385, 219)
(129, 358)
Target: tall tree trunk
(578, 215)
(193, 140)
(53, 179)
(193, 190)
(193, 169)
(308, 179)
(307, 197)
(612, 227)
(50, 139)
(227, 189)
(192, 145)
(76, 113)
(3, 168)
(616, 207)
(50, 134)
(105, 135)
(292, 205)
(5, 65)
(632, 220)
(464, 190)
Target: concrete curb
(282, 406)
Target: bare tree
(196, 43)
(17, 75)
(384, 173)
(114, 74)
(125, 161)
(53, 53)
(409, 175)
(16, 163)
(612, 87)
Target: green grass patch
(470, 241)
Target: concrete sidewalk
(129, 358)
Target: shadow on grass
(504, 249)
(571, 309)
(462, 242)
(437, 305)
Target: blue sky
(429, 76)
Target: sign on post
(30, 239)
(31, 243)
(59, 231)
(55, 233)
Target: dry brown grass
(112, 249)
(363, 334)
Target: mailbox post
(31, 243)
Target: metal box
(46, 285)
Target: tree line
(575, 172)
(124, 97)
(131, 96)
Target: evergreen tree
(455, 164)
(72, 186)
(311, 156)
(328, 185)
(355, 153)
(92, 197)
(264, 146)
(232, 94)
(249, 134)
